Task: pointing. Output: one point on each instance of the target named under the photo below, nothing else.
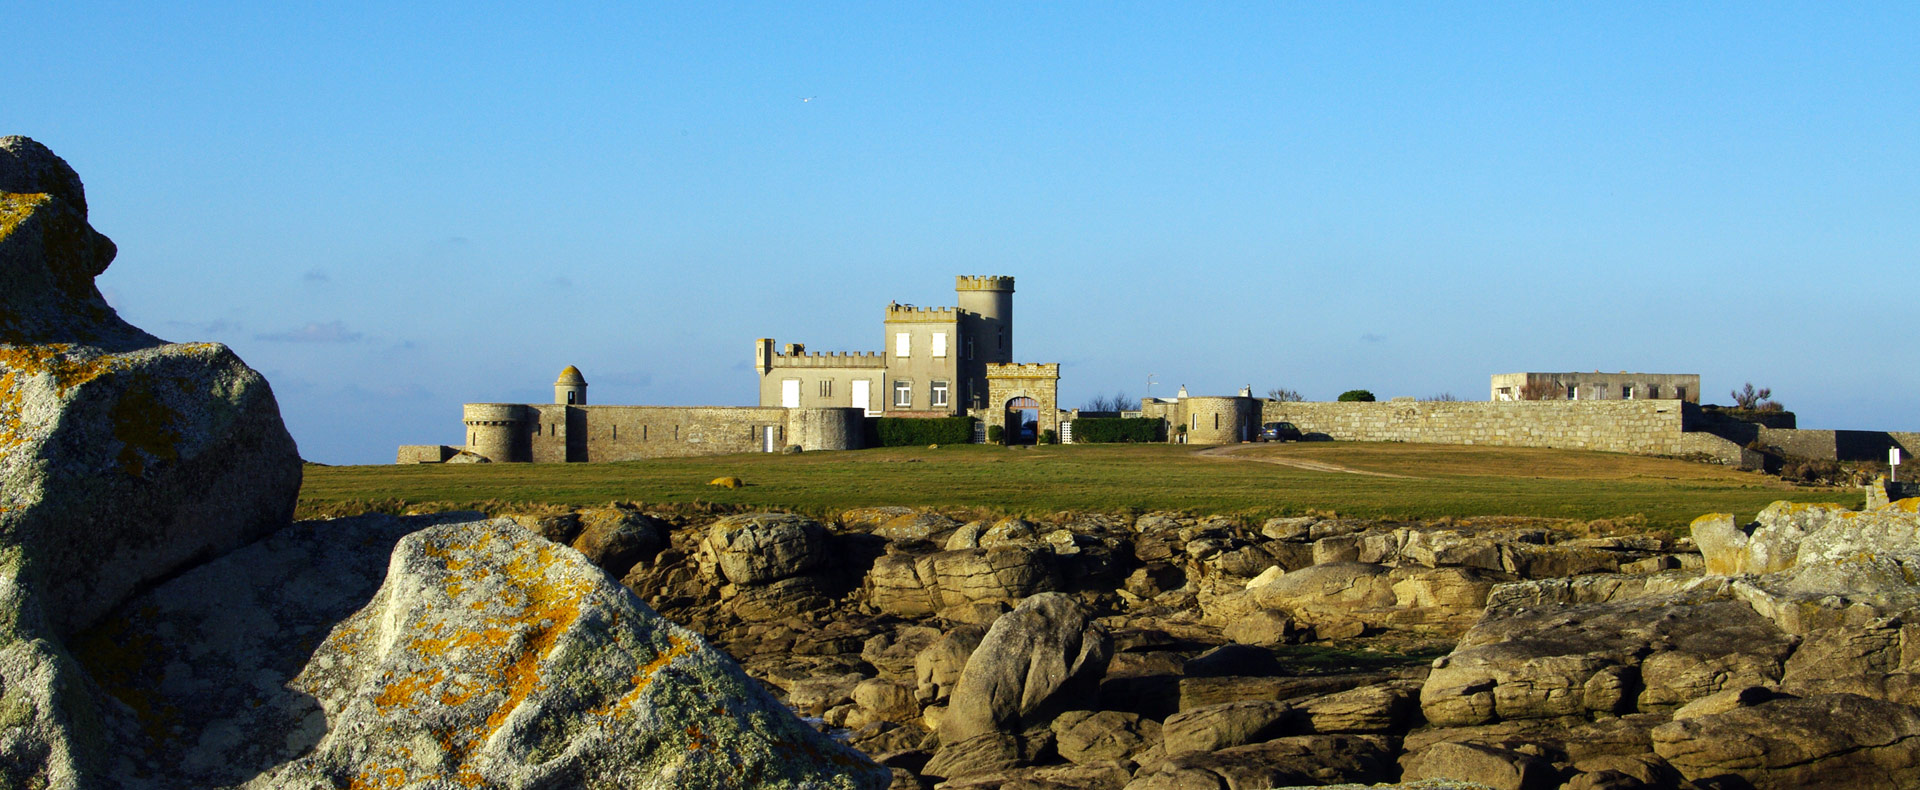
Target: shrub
(1049, 437)
(1813, 470)
(996, 434)
(1122, 430)
(1357, 396)
(1748, 398)
(1539, 390)
(914, 431)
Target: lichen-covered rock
(123, 459)
(488, 656)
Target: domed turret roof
(572, 376)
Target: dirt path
(1233, 453)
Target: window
(1003, 338)
(902, 344)
(969, 349)
(1573, 392)
(1597, 392)
(1680, 393)
(939, 344)
(939, 391)
(1626, 392)
(826, 388)
(902, 394)
(570, 396)
(1506, 393)
(1653, 390)
(790, 393)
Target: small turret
(570, 388)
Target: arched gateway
(1014, 389)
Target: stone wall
(1838, 445)
(556, 433)
(426, 453)
(1649, 427)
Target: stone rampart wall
(625, 433)
(1642, 427)
(1838, 445)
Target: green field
(1440, 480)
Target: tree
(1752, 399)
(1357, 396)
(1285, 395)
(1117, 402)
(1444, 397)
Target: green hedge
(1111, 430)
(914, 431)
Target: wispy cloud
(329, 332)
(1373, 338)
(560, 282)
(316, 276)
(218, 326)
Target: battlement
(831, 359)
(906, 312)
(988, 283)
(1023, 370)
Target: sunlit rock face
(487, 657)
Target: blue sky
(394, 210)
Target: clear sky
(394, 208)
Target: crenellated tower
(986, 328)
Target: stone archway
(1038, 385)
(1021, 416)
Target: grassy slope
(1450, 481)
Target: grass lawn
(1442, 480)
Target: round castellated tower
(990, 300)
(1217, 420)
(497, 431)
(570, 388)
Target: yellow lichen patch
(676, 647)
(20, 363)
(1908, 505)
(401, 691)
(16, 207)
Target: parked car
(1279, 432)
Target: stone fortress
(958, 361)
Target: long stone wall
(557, 433)
(1646, 427)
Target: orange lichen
(20, 363)
(508, 648)
(401, 691)
(676, 647)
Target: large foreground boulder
(123, 460)
(488, 656)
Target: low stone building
(1596, 386)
